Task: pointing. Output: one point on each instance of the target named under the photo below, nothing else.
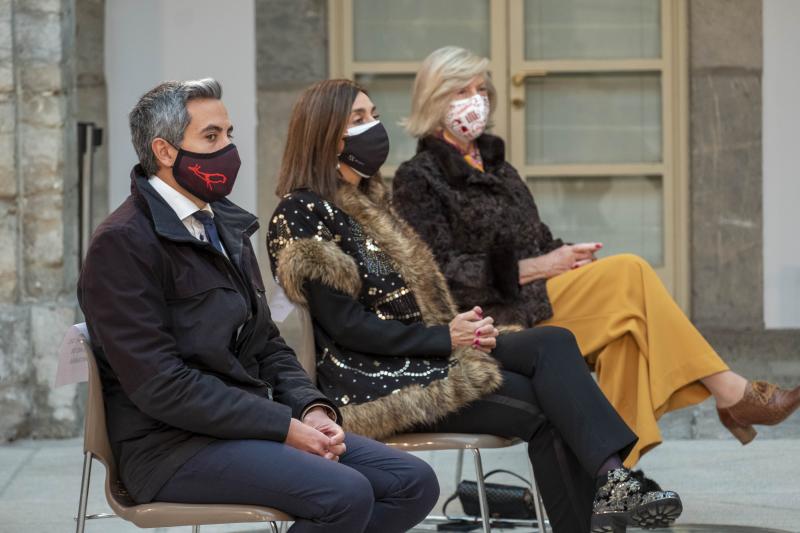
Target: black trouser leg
(567, 489)
(567, 394)
(528, 407)
(513, 411)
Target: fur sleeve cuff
(505, 272)
(309, 259)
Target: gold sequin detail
(283, 233)
(373, 259)
(399, 304)
(389, 316)
(394, 295)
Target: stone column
(37, 214)
(291, 54)
(726, 58)
(725, 67)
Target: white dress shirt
(184, 208)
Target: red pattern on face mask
(208, 177)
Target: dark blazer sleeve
(488, 276)
(277, 361)
(291, 384)
(355, 328)
(122, 296)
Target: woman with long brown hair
(393, 353)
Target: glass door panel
(593, 118)
(625, 213)
(391, 94)
(408, 30)
(592, 29)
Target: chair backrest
(306, 352)
(95, 435)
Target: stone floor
(720, 483)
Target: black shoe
(622, 502)
(648, 485)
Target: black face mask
(366, 148)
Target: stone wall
(288, 60)
(38, 214)
(725, 67)
(291, 54)
(727, 248)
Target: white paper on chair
(279, 305)
(73, 367)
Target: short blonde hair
(443, 72)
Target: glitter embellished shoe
(622, 501)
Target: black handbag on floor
(505, 501)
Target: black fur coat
(479, 225)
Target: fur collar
(476, 373)
(413, 258)
(452, 163)
(370, 206)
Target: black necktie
(210, 228)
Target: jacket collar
(233, 222)
(179, 203)
(456, 169)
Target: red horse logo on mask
(210, 179)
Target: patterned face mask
(210, 177)
(467, 117)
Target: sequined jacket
(380, 310)
(479, 225)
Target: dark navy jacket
(183, 337)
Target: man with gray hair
(205, 402)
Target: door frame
(507, 64)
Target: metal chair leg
(482, 491)
(459, 466)
(195, 529)
(273, 527)
(84, 498)
(537, 503)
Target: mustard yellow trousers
(648, 356)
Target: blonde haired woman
(470, 205)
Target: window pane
(625, 213)
(593, 118)
(592, 29)
(391, 94)
(409, 30)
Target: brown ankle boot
(763, 403)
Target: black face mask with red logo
(210, 177)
